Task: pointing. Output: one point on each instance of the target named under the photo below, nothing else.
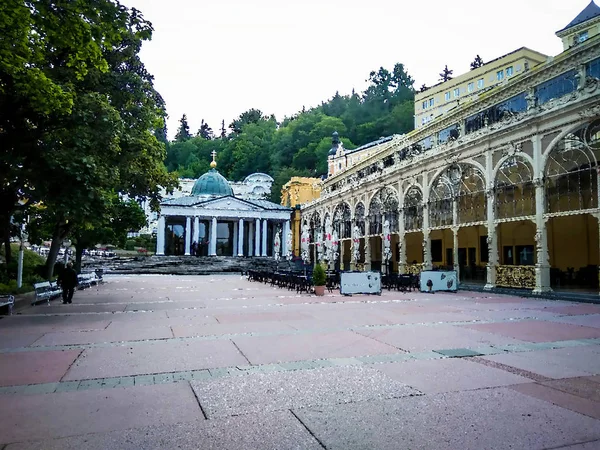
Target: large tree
(183, 132)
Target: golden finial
(213, 164)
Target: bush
(318, 275)
(32, 271)
(130, 244)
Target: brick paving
(221, 362)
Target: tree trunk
(6, 241)
(60, 233)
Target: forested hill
(298, 145)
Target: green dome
(212, 183)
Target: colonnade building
(503, 188)
(212, 221)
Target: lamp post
(20, 261)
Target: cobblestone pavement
(149, 362)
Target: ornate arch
(315, 226)
(413, 209)
(514, 187)
(570, 173)
(342, 220)
(464, 183)
(383, 206)
(359, 217)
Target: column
(367, 253)
(257, 237)
(598, 218)
(542, 266)
(213, 238)
(353, 252)
(188, 235)
(196, 229)
(426, 239)
(160, 236)
(284, 239)
(492, 241)
(240, 246)
(455, 240)
(401, 243)
(264, 237)
(235, 239)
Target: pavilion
(212, 221)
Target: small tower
(336, 150)
(583, 27)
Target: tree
(250, 116)
(446, 74)
(223, 132)
(205, 132)
(477, 62)
(183, 132)
(423, 88)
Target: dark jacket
(68, 278)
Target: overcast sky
(214, 59)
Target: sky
(215, 59)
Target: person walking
(67, 280)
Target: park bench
(85, 280)
(46, 291)
(7, 300)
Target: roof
(195, 200)
(592, 10)
(371, 144)
(266, 204)
(212, 183)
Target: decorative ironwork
(522, 277)
(342, 220)
(514, 189)
(384, 206)
(496, 113)
(571, 172)
(359, 218)
(413, 269)
(472, 204)
(413, 209)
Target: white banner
(432, 281)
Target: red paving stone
(35, 367)
(28, 417)
(574, 310)
(538, 331)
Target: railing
(515, 276)
(412, 269)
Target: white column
(235, 239)
(257, 237)
(196, 229)
(492, 242)
(401, 243)
(188, 235)
(426, 239)
(367, 253)
(160, 236)
(240, 246)
(213, 238)
(455, 239)
(264, 237)
(284, 238)
(542, 266)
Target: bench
(86, 280)
(7, 300)
(46, 291)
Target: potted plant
(319, 278)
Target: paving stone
(67, 386)
(143, 380)
(223, 372)
(257, 393)
(163, 378)
(458, 353)
(201, 374)
(426, 355)
(345, 361)
(45, 388)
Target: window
(431, 102)
(425, 105)
(500, 75)
(480, 83)
(456, 92)
(447, 96)
(509, 71)
(581, 37)
(423, 120)
(471, 87)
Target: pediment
(228, 204)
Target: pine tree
(446, 74)
(183, 132)
(477, 62)
(205, 131)
(423, 88)
(223, 132)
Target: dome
(212, 183)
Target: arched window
(359, 218)
(443, 191)
(571, 177)
(315, 227)
(342, 220)
(514, 189)
(413, 209)
(384, 206)
(472, 204)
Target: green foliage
(318, 275)
(31, 271)
(183, 132)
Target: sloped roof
(592, 10)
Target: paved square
(154, 362)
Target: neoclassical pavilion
(504, 188)
(212, 221)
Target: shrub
(318, 275)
